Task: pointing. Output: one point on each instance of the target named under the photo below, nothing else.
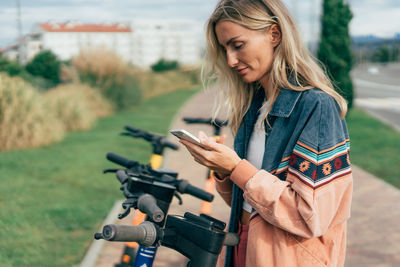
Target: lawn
(52, 199)
(375, 147)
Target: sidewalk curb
(381, 181)
(97, 245)
(380, 118)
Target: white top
(255, 152)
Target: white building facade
(68, 39)
(142, 43)
(177, 40)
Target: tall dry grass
(100, 65)
(104, 69)
(25, 120)
(77, 106)
(157, 83)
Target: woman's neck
(265, 83)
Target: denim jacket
(303, 191)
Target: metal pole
(19, 24)
(19, 31)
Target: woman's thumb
(204, 139)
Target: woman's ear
(275, 33)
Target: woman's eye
(238, 46)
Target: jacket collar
(285, 103)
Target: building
(29, 46)
(11, 52)
(142, 43)
(165, 39)
(67, 39)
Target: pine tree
(334, 49)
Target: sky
(377, 17)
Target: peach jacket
(302, 196)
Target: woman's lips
(242, 71)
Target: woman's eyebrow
(232, 40)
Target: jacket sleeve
(317, 191)
(224, 188)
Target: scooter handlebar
(148, 205)
(185, 188)
(121, 160)
(122, 176)
(145, 233)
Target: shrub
(3, 62)
(97, 103)
(164, 65)
(68, 74)
(46, 65)
(13, 68)
(124, 93)
(25, 121)
(386, 53)
(156, 83)
(77, 106)
(10, 67)
(38, 82)
(104, 69)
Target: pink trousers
(239, 253)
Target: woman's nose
(232, 59)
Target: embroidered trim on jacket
(316, 169)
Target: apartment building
(67, 39)
(165, 39)
(142, 43)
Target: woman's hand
(219, 158)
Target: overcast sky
(378, 17)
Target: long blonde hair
(291, 59)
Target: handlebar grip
(185, 188)
(170, 145)
(132, 129)
(231, 239)
(148, 205)
(122, 176)
(215, 122)
(121, 160)
(196, 120)
(145, 233)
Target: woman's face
(249, 52)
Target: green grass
(375, 147)
(53, 199)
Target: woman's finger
(221, 139)
(196, 151)
(192, 146)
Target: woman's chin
(248, 79)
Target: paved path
(373, 230)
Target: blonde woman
(288, 180)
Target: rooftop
(80, 27)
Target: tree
(164, 65)
(11, 67)
(46, 65)
(386, 53)
(334, 49)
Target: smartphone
(185, 135)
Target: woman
(288, 179)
